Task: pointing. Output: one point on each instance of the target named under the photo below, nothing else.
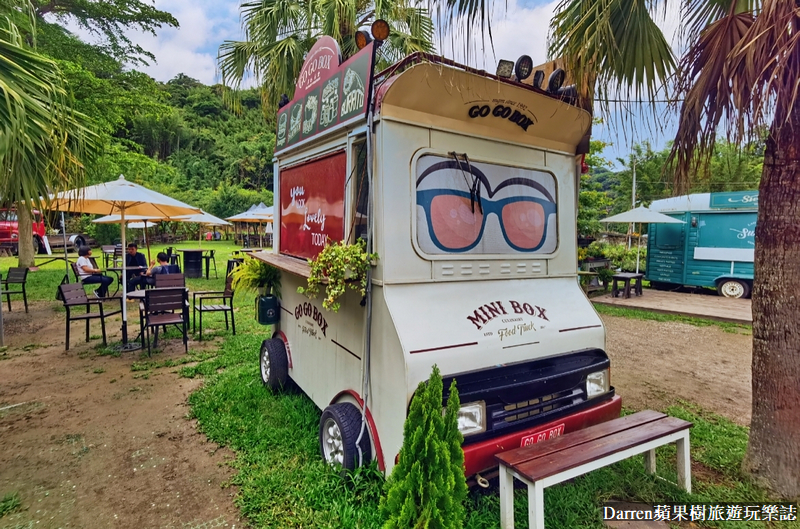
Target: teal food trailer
(713, 248)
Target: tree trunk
(25, 228)
(773, 455)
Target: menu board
(327, 94)
(312, 205)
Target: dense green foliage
(427, 487)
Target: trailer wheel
(733, 288)
(274, 364)
(339, 427)
(78, 242)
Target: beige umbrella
(206, 219)
(137, 222)
(257, 214)
(123, 198)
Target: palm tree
(42, 140)
(279, 33)
(741, 72)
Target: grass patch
(98, 371)
(283, 482)
(10, 503)
(639, 314)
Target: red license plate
(538, 437)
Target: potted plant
(257, 276)
(338, 265)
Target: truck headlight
(472, 418)
(15, 235)
(597, 383)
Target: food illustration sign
(328, 94)
(312, 205)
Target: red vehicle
(9, 230)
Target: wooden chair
(162, 307)
(74, 296)
(208, 257)
(77, 275)
(169, 280)
(16, 276)
(226, 296)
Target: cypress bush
(427, 487)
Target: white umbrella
(642, 215)
(256, 214)
(204, 218)
(137, 222)
(124, 198)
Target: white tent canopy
(204, 218)
(642, 215)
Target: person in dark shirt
(146, 278)
(134, 259)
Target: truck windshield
(8, 216)
(469, 207)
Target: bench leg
(684, 464)
(535, 506)
(506, 498)
(650, 461)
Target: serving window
(468, 207)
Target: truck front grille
(519, 411)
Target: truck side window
(360, 192)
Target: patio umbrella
(137, 222)
(203, 218)
(124, 198)
(256, 214)
(642, 215)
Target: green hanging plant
(257, 276)
(338, 265)
(427, 487)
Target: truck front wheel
(274, 364)
(733, 288)
(339, 428)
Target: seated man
(147, 277)
(134, 259)
(91, 275)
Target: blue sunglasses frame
(425, 198)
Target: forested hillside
(179, 137)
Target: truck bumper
(479, 457)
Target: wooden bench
(626, 278)
(562, 458)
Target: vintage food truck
(466, 186)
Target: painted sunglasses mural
(478, 208)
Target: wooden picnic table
(626, 278)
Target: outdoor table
(106, 254)
(626, 278)
(249, 250)
(192, 262)
(118, 270)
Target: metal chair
(232, 264)
(173, 258)
(108, 251)
(118, 255)
(208, 257)
(74, 296)
(16, 276)
(198, 299)
(165, 306)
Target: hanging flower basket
(338, 266)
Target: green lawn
(283, 482)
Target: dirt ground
(654, 364)
(87, 442)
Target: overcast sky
(518, 26)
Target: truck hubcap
(332, 443)
(732, 289)
(265, 366)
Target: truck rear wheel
(339, 428)
(274, 364)
(37, 246)
(733, 288)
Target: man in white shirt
(91, 275)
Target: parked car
(9, 230)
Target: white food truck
(466, 185)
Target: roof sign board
(327, 95)
(735, 200)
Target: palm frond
(704, 82)
(612, 48)
(697, 15)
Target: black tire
(273, 364)
(78, 242)
(733, 288)
(339, 427)
(37, 246)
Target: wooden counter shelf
(293, 265)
